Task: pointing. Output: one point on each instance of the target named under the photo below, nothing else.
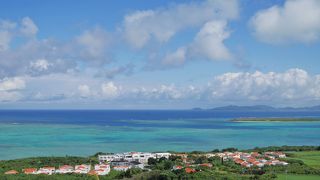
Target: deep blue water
(112, 117)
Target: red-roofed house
(11, 172)
(30, 171)
(190, 170)
(206, 165)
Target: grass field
(297, 177)
(311, 158)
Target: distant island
(259, 108)
(275, 119)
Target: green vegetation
(304, 163)
(310, 158)
(297, 177)
(275, 119)
(286, 148)
(38, 162)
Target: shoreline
(275, 119)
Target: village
(128, 160)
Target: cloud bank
(295, 21)
(294, 85)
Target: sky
(144, 54)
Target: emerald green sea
(60, 133)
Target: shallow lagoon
(59, 133)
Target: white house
(65, 169)
(82, 169)
(102, 169)
(46, 170)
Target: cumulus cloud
(28, 27)
(10, 88)
(295, 21)
(84, 90)
(161, 25)
(207, 44)
(40, 65)
(110, 90)
(244, 87)
(30, 56)
(5, 39)
(6, 34)
(94, 43)
(282, 88)
(209, 41)
(176, 58)
(9, 30)
(11, 84)
(293, 84)
(38, 57)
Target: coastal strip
(275, 119)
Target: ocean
(29, 133)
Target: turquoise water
(18, 139)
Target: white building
(82, 169)
(160, 155)
(65, 169)
(141, 157)
(110, 157)
(102, 169)
(121, 168)
(46, 170)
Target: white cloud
(10, 87)
(295, 21)
(45, 56)
(6, 34)
(6, 96)
(28, 27)
(176, 58)
(84, 90)
(208, 44)
(40, 65)
(94, 43)
(110, 90)
(5, 39)
(11, 84)
(209, 41)
(293, 84)
(281, 88)
(162, 24)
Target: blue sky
(159, 54)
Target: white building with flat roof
(141, 157)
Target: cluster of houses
(252, 159)
(118, 162)
(99, 169)
(128, 160)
